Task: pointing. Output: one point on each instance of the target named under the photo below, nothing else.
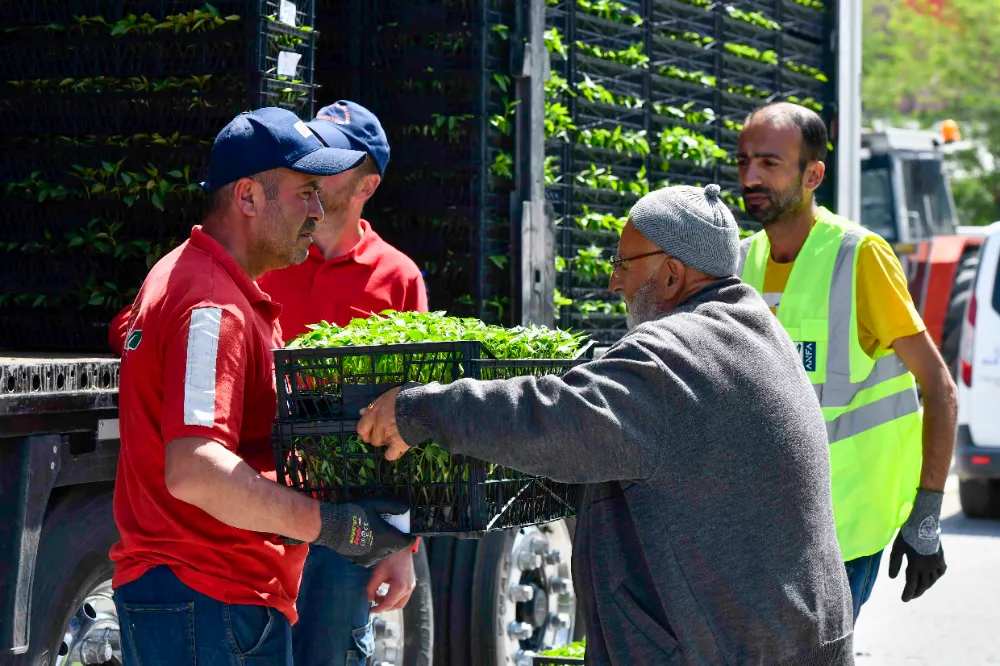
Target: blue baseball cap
(270, 138)
(351, 126)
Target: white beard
(643, 306)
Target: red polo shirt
(372, 277)
(198, 362)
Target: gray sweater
(714, 542)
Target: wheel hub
(92, 637)
(539, 610)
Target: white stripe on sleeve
(199, 379)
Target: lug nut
(528, 561)
(520, 630)
(539, 546)
(95, 651)
(521, 593)
(555, 557)
(559, 585)
(557, 621)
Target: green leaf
(175, 174)
(38, 300)
(157, 200)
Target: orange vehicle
(906, 198)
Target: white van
(977, 448)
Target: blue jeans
(166, 623)
(861, 574)
(334, 627)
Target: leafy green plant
(554, 42)
(326, 457)
(808, 70)
(558, 122)
(750, 53)
(628, 141)
(684, 144)
(590, 264)
(633, 56)
(754, 18)
(594, 221)
(610, 10)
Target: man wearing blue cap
(350, 272)
(203, 571)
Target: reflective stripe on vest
(869, 403)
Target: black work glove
(920, 540)
(357, 531)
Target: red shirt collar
(204, 242)
(365, 252)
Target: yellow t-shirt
(885, 309)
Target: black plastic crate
(555, 661)
(320, 393)
(43, 329)
(53, 376)
(42, 12)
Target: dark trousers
(166, 623)
(334, 627)
(861, 574)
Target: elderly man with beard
(706, 535)
(842, 296)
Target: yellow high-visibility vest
(870, 404)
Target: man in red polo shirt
(350, 272)
(203, 572)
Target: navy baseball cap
(351, 126)
(269, 138)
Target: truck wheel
(980, 498)
(73, 617)
(961, 292)
(522, 594)
(413, 626)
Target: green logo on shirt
(134, 338)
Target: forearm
(940, 419)
(589, 426)
(217, 481)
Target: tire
(961, 292)
(72, 561)
(980, 498)
(460, 603)
(441, 552)
(492, 608)
(418, 616)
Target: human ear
(368, 186)
(815, 171)
(672, 277)
(246, 196)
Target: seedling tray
(317, 451)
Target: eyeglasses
(618, 262)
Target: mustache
(308, 228)
(759, 190)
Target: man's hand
(357, 530)
(397, 572)
(378, 425)
(919, 539)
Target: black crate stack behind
(647, 93)
(107, 117)
(437, 74)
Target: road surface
(956, 622)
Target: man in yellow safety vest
(841, 295)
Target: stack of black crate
(106, 125)
(437, 76)
(650, 93)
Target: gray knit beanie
(691, 224)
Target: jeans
(166, 623)
(861, 574)
(334, 627)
